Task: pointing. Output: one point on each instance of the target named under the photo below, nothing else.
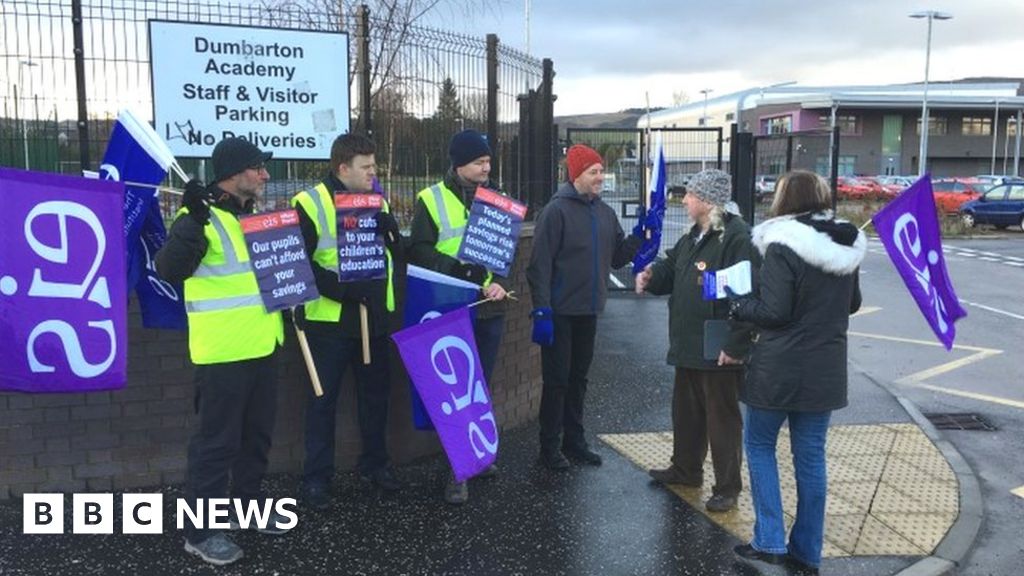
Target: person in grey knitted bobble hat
(708, 371)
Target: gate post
(363, 67)
(741, 161)
(492, 91)
(83, 111)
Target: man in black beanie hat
(233, 341)
(438, 224)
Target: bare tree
(680, 97)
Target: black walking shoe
(583, 455)
(316, 497)
(554, 460)
(748, 552)
(719, 503)
(672, 475)
(799, 568)
(384, 479)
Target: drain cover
(960, 421)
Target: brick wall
(137, 436)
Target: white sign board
(286, 91)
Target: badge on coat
(702, 265)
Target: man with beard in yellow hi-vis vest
(232, 340)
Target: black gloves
(737, 304)
(195, 199)
(387, 227)
(363, 292)
(474, 273)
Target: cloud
(608, 52)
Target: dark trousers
(332, 354)
(565, 365)
(706, 409)
(488, 332)
(236, 404)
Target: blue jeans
(807, 432)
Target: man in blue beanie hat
(438, 224)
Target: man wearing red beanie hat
(577, 240)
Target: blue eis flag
(652, 218)
(136, 156)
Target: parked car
(987, 181)
(887, 191)
(951, 193)
(851, 188)
(764, 187)
(896, 183)
(1002, 206)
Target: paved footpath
(893, 499)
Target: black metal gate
(775, 154)
(626, 154)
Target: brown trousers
(705, 408)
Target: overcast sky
(608, 53)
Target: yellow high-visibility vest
(227, 321)
(315, 204)
(450, 217)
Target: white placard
(286, 91)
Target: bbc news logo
(144, 513)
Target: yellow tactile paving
(890, 489)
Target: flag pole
(364, 332)
(314, 378)
(648, 164)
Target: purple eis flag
(441, 358)
(62, 283)
(908, 228)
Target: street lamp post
(923, 154)
(704, 116)
(24, 109)
(704, 123)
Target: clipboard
(716, 335)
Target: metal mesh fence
(687, 151)
(424, 85)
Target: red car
(950, 193)
(850, 188)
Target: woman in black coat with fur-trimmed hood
(797, 370)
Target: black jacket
(576, 241)
(186, 243)
(808, 288)
(423, 239)
(329, 286)
(681, 274)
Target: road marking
(974, 396)
(1013, 263)
(1014, 258)
(1018, 491)
(965, 249)
(917, 377)
(865, 310)
(988, 259)
(618, 283)
(994, 310)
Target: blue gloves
(543, 326)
